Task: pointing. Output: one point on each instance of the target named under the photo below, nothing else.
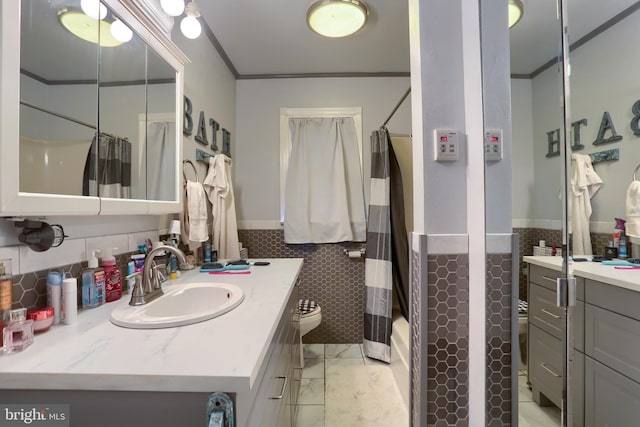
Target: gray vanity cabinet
(276, 396)
(545, 328)
(612, 349)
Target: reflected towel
(197, 211)
(585, 182)
(633, 209)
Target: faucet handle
(157, 275)
(137, 294)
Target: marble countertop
(627, 279)
(221, 354)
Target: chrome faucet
(150, 287)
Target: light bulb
(93, 9)
(120, 31)
(173, 7)
(190, 27)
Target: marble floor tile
(524, 394)
(311, 391)
(532, 415)
(313, 368)
(342, 350)
(338, 367)
(310, 416)
(313, 351)
(353, 396)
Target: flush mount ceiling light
(87, 28)
(337, 18)
(516, 10)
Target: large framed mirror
(99, 113)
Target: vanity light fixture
(93, 8)
(190, 26)
(516, 10)
(120, 31)
(87, 28)
(172, 7)
(337, 18)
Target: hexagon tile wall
(448, 340)
(498, 300)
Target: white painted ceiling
(271, 37)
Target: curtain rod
(397, 106)
(63, 116)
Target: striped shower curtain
(378, 270)
(107, 171)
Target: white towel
(585, 182)
(197, 210)
(633, 209)
(220, 191)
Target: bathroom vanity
(111, 375)
(605, 341)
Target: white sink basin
(180, 305)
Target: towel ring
(184, 162)
(635, 171)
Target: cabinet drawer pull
(549, 279)
(555, 374)
(284, 386)
(545, 311)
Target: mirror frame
(13, 202)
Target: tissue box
(545, 251)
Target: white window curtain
(324, 201)
(161, 155)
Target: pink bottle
(112, 275)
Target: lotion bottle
(93, 283)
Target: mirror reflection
(603, 92)
(86, 99)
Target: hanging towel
(633, 209)
(585, 182)
(220, 191)
(197, 211)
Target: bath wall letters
(201, 135)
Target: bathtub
(400, 355)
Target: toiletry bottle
(54, 294)
(18, 334)
(617, 230)
(93, 283)
(622, 246)
(113, 276)
(6, 294)
(70, 300)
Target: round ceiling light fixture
(337, 18)
(516, 10)
(87, 28)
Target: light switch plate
(446, 145)
(493, 145)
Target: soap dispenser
(112, 275)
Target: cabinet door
(611, 399)
(576, 388)
(545, 365)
